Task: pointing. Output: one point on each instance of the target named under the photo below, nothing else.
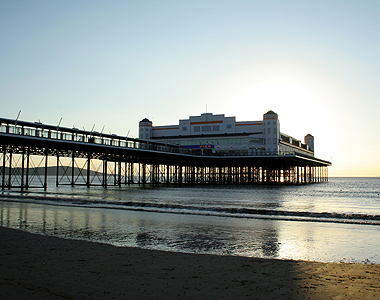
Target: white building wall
(221, 133)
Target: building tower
(271, 127)
(309, 140)
(145, 129)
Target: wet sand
(43, 267)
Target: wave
(241, 212)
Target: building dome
(270, 115)
(270, 112)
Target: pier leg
(27, 168)
(179, 175)
(72, 168)
(153, 174)
(144, 174)
(10, 169)
(105, 173)
(22, 168)
(298, 175)
(132, 172)
(88, 169)
(119, 179)
(4, 157)
(57, 171)
(167, 174)
(46, 169)
(114, 173)
(304, 174)
(139, 173)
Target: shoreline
(44, 267)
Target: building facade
(224, 135)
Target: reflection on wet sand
(142, 229)
(194, 233)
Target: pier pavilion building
(224, 135)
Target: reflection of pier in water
(144, 229)
(28, 152)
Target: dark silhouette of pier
(29, 151)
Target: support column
(105, 167)
(305, 174)
(4, 159)
(10, 169)
(179, 175)
(114, 173)
(153, 174)
(72, 167)
(139, 173)
(144, 173)
(298, 175)
(167, 174)
(57, 171)
(249, 179)
(27, 169)
(46, 169)
(132, 172)
(22, 168)
(125, 173)
(119, 172)
(88, 169)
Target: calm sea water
(334, 221)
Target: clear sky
(113, 63)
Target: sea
(334, 221)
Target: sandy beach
(42, 267)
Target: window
(274, 141)
(268, 130)
(146, 129)
(197, 128)
(229, 126)
(215, 128)
(206, 128)
(268, 141)
(184, 128)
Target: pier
(30, 152)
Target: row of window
(267, 123)
(207, 128)
(230, 141)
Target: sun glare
(286, 98)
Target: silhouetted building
(218, 133)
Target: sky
(113, 63)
